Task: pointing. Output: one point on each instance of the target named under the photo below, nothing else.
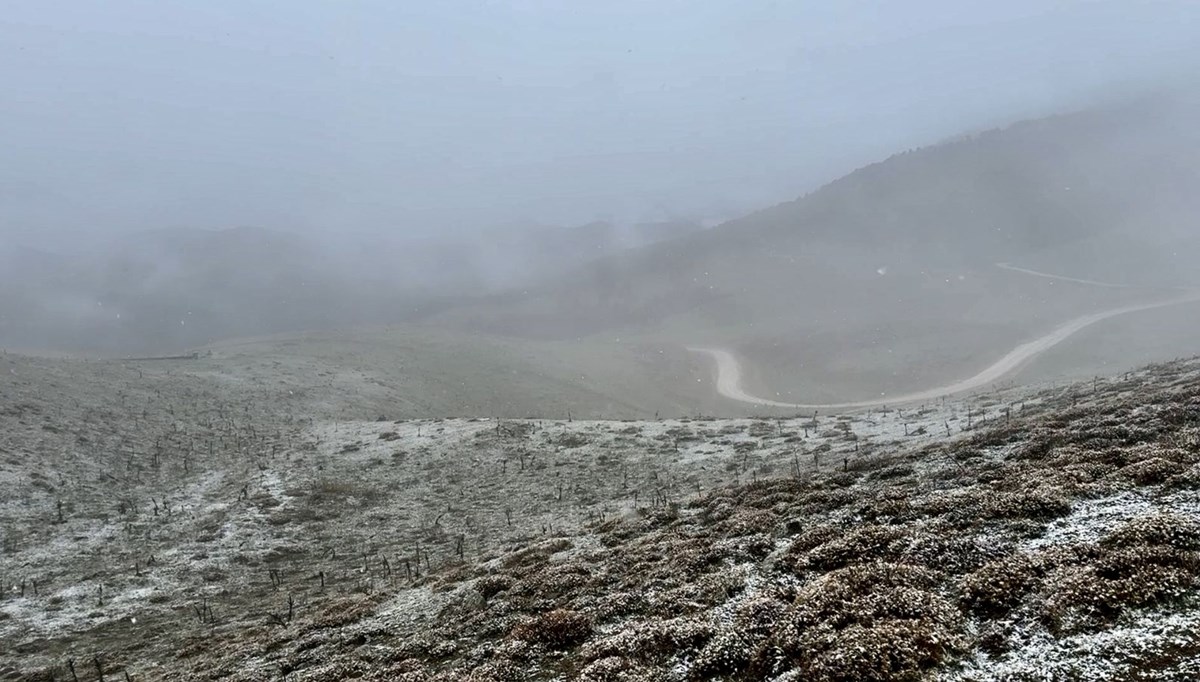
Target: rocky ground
(168, 524)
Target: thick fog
(421, 117)
(422, 152)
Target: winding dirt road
(729, 369)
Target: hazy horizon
(416, 120)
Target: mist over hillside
(160, 291)
(1107, 193)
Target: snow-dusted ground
(300, 498)
(1092, 519)
(175, 499)
(1096, 656)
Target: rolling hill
(886, 279)
(170, 523)
(170, 289)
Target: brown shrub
(747, 521)
(651, 639)
(333, 671)
(490, 585)
(887, 651)
(494, 671)
(559, 629)
(614, 669)
(728, 652)
(759, 615)
(711, 589)
(944, 548)
(812, 538)
(718, 509)
(616, 604)
(1151, 471)
(999, 586)
(1169, 530)
(953, 505)
(1120, 579)
(1042, 504)
(822, 501)
(869, 622)
(860, 545)
(556, 581)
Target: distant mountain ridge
(1113, 186)
(1109, 193)
(1010, 192)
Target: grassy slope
(1064, 543)
(796, 288)
(414, 372)
(1119, 343)
(1059, 540)
(181, 488)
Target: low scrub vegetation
(1062, 543)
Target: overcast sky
(414, 117)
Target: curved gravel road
(729, 369)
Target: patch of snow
(1092, 657)
(1091, 520)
